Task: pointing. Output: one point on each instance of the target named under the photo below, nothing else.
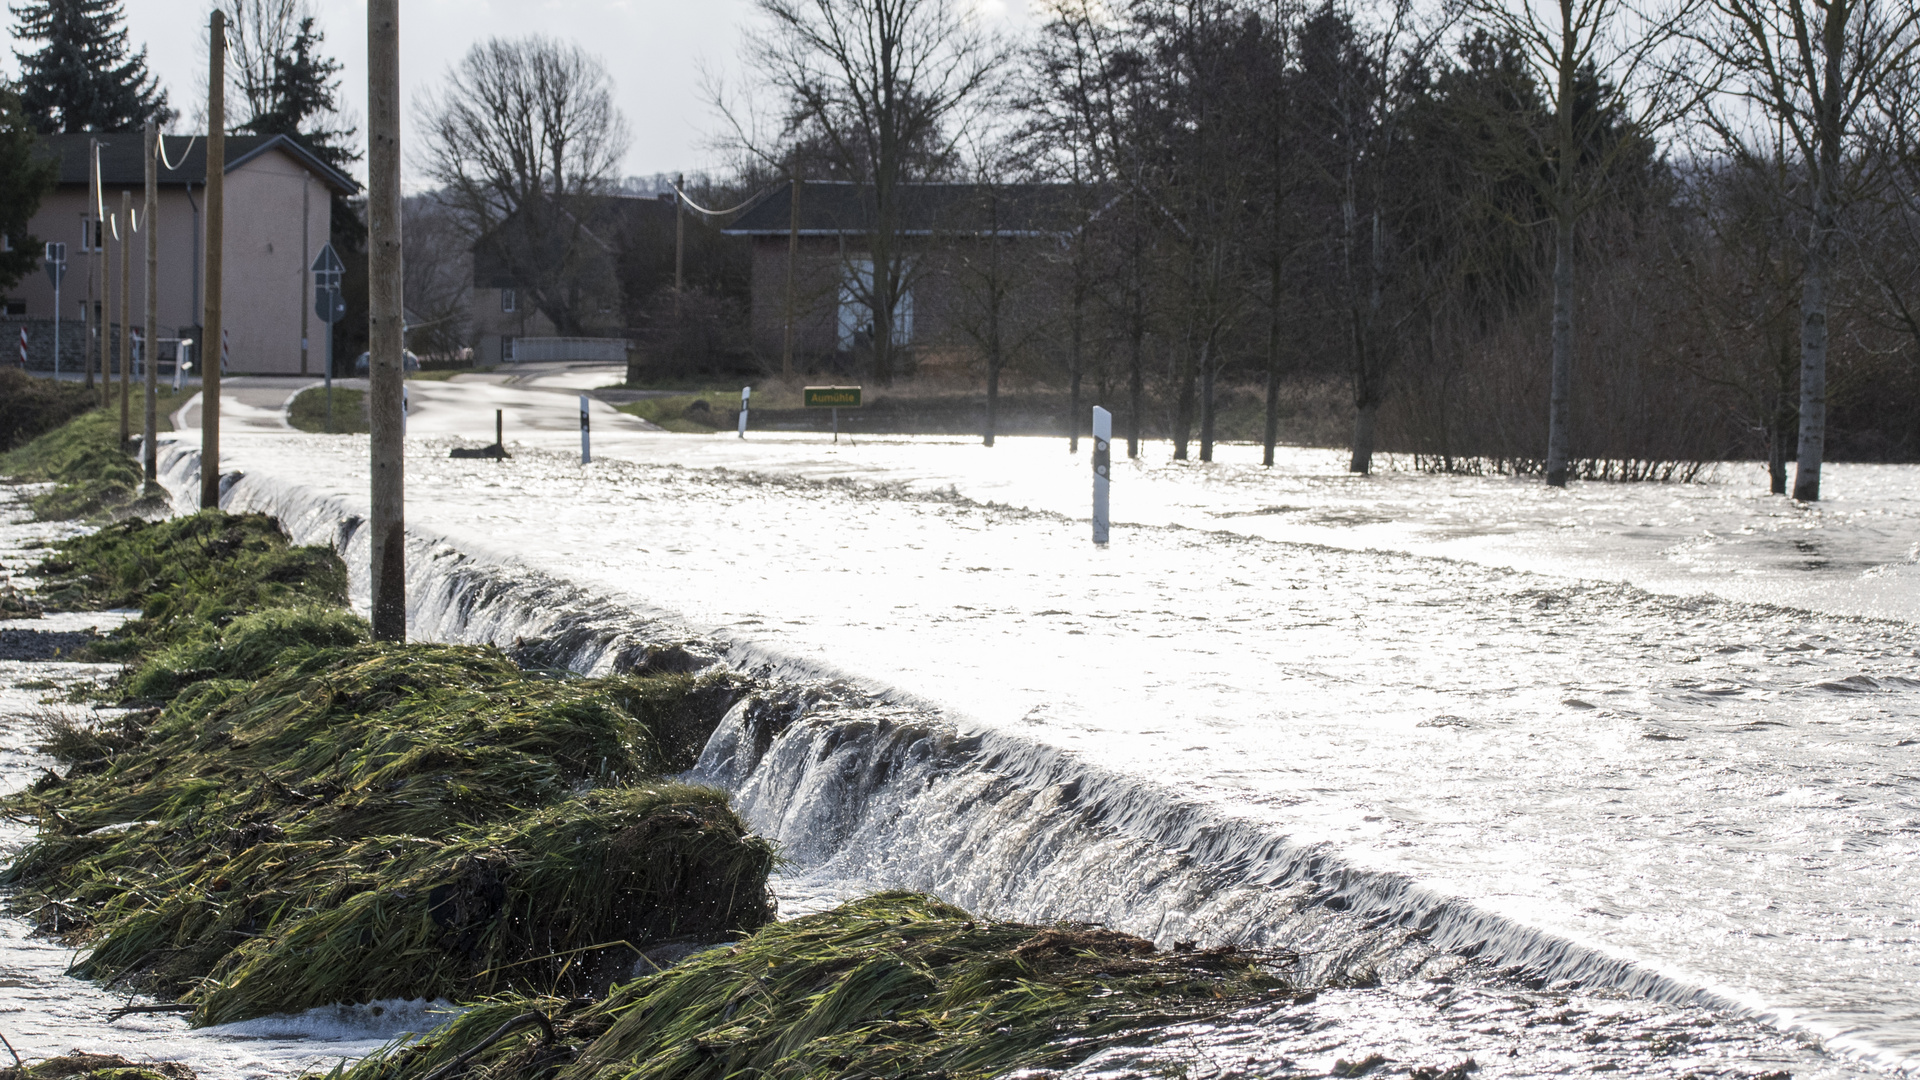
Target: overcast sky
(655, 50)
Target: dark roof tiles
(123, 160)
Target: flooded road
(1593, 772)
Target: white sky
(655, 49)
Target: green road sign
(833, 397)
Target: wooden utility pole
(306, 262)
(384, 340)
(679, 242)
(793, 257)
(102, 314)
(126, 308)
(150, 348)
(210, 329)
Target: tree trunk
(1558, 412)
(993, 396)
(1206, 401)
(1183, 417)
(1813, 356)
(1779, 448)
(1136, 390)
(1362, 460)
(1272, 432)
(1073, 367)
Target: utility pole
(126, 308)
(306, 217)
(384, 330)
(210, 329)
(97, 271)
(679, 242)
(149, 453)
(793, 256)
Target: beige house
(278, 216)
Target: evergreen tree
(24, 178)
(303, 95)
(82, 78)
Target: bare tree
(437, 264)
(880, 89)
(518, 132)
(260, 35)
(1816, 71)
(1611, 73)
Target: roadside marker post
(835, 398)
(1102, 471)
(56, 259)
(745, 393)
(182, 360)
(586, 434)
(406, 406)
(23, 363)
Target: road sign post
(56, 269)
(330, 307)
(835, 398)
(1102, 471)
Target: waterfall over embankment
(868, 785)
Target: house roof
(602, 219)
(841, 208)
(123, 158)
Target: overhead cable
(698, 209)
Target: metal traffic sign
(327, 271)
(832, 397)
(328, 304)
(328, 263)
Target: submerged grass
(190, 576)
(298, 840)
(96, 478)
(296, 816)
(892, 985)
(308, 410)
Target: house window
(16, 307)
(89, 234)
(506, 350)
(856, 312)
(507, 300)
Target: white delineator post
(745, 393)
(1102, 470)
(586, 434)
(406, 408)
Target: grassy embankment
(1313, 414)
(292, 816)
(893, 985)
(81, 453)
(308, 410)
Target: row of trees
(1584, 211)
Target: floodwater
(1648, 752)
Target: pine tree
(24, 178)
(303, 94)
(83, 78)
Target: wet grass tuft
(895, 984)
(96, 478)
(292, 815)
